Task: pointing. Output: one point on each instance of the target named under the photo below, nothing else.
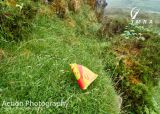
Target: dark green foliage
(137, 77)
(29, 11)
(15, 23)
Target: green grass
(38, 70)
(156, 98)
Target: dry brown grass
(74, 5)
(91, 3)
(60, 7)
(11, 3)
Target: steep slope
(38, 69)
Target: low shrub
(16, 23)
(133, 31)
(112, 26)
(135, 72)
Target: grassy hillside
(37, 45)
(38, 69)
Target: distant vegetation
(147, 5)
